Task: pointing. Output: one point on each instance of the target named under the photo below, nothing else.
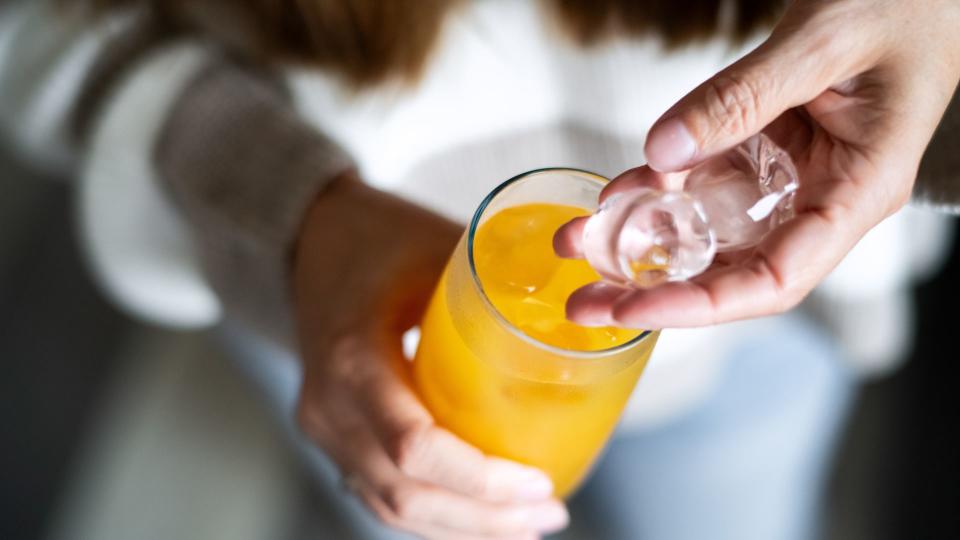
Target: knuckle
(343, 364)
(315, 425)
(312, 417)
(403, 501)
(385, 516)
(346, 346)
(408, 448)
(786, 290)
(794, 288)
(732, 103)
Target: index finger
(568, 240)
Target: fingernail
(534, 486)
(568, 239)
(547, 519)
(670, 146)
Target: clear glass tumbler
(500, 389)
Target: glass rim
(471, 232)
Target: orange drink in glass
(498, 363)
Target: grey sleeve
(242, 167)
(938, 182)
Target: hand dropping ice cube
(644, 237)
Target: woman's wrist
(364, 257)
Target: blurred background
(115, 430)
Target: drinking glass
(505, 392)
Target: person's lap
(750, 462)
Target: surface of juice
(529, 285)
(482, 383)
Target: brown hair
(370, 41)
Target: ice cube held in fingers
(644, 237)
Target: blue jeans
(751, 462)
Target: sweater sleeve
(242, 167)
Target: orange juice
(529, 284)
(501, 366)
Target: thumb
(739, 102)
